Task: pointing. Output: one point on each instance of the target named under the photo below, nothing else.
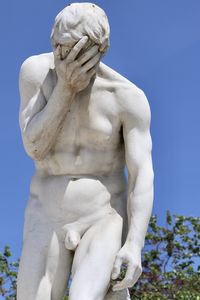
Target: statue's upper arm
(31, 96)
(135, 118)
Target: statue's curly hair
(78, 20)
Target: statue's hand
(76, 73)
(132, 258)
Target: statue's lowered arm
(136, 122)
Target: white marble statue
(82, 123)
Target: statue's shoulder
(115, 80)
(129, 97)
(118, 83)
(35, 68)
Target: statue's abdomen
(69, 198)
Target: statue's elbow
(34, 151)
(37, 155)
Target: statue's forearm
(43, 128)
(140, 204)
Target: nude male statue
(82, 122)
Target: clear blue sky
(156, 45)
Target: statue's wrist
(63, 86)
(62, 83)
(134, 245)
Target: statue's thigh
(94, 259)
(45, 264)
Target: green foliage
(170, 259)
(8, 275)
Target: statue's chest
(91, 121)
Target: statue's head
(78, 20)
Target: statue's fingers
(116, 268)
(103, 48)
(131, 277)
(76, 49)
(119, 286)
(137, 274)
(126, 282)
(91, 63)
(91, 73)
(88, 55)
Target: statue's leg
(45, 263)
(94, 259)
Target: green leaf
(169, 218)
